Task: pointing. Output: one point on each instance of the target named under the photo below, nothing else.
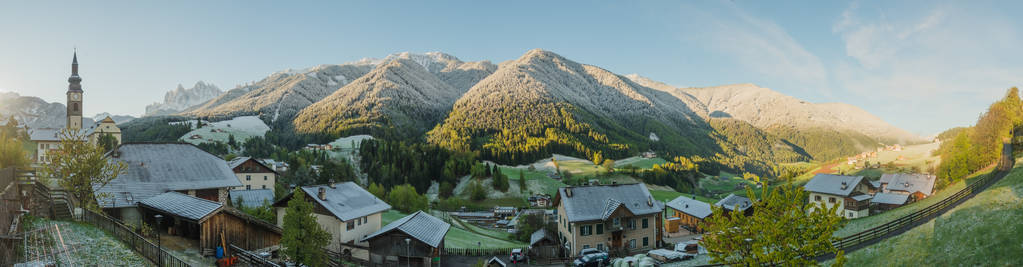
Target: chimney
(332, 185)
(568, 192)
(650, 201)
(844, 185)
(323, 193)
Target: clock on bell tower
(74, 97)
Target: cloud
(758, 45)
(947, 62)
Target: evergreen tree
(303, 239)
(522, 181)
(488, 172)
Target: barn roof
(182, 205)
(596, 202)
(888, 198)
(910, 182)
(253, 197)
(833, 184)
(419, 225)
(540, 235)
(695, 208)
(733, 202)
(154, 168)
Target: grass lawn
(983, 231)
(666, 196)
(858, 225)
(90, 246)
(460, 236)
(639, 162)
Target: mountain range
(524, 109)
(37, 113)
(179, 99)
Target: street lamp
(408, 248)
(159, 246)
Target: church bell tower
(74, 97)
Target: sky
(924, 66)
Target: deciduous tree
(79, 166)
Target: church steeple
(74, 96)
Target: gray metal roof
(875, 184)
(540, 235)
(347, 201)
(234, 163)
(591, 203)
(695, 208)
(910, 182)
(182, 205)
(156, 168)
(123, 195)
(832, 184)
(44, 134)
(419, 225)
(733, 202)
(861, 197)
(888, 198)
(253, 197)
(178, 166)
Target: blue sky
(921, 65)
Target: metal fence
(480, 251)
(250, 258)
(144, 247)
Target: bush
(406, 199)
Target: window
(617, 221)
(831, 199)
(586, 246)
(646, 241)
(248, 177)
(365, 219)
(817, 198)
(570, 228)
(645, 223)
(631, 224)
(632, 243)
(359, 221)
(600, 247)
(600, 228)
(264, 186)
(265, 178)
(248, 186)
(351, 225)
(850, 214)
(585, 230)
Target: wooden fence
(250, 258)
(480, 251)
(147, 249)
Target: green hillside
(984, 230)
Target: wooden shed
(212, 223)
(416, 240)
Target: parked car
(592, 257)
(517, 256)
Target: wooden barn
(691, 214)
(212, 223)
(416, 240)
(544, 244)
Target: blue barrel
(220, 252)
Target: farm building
(849, 193)
(346, 211)
(544, 244)
(253, 174)
(691, 214)
(211, 223)
(917, 185)
(733, 203)
(416, 239)
(157, 168)
(888, 201)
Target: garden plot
(242, 128)
(76, 244)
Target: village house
(540, 200)
(733, 203)
(849, 193)
(691, 214)
(253, 174)
(157, 168)
(917, 185)
(415, 240)
(345, 210)
(617, 218)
